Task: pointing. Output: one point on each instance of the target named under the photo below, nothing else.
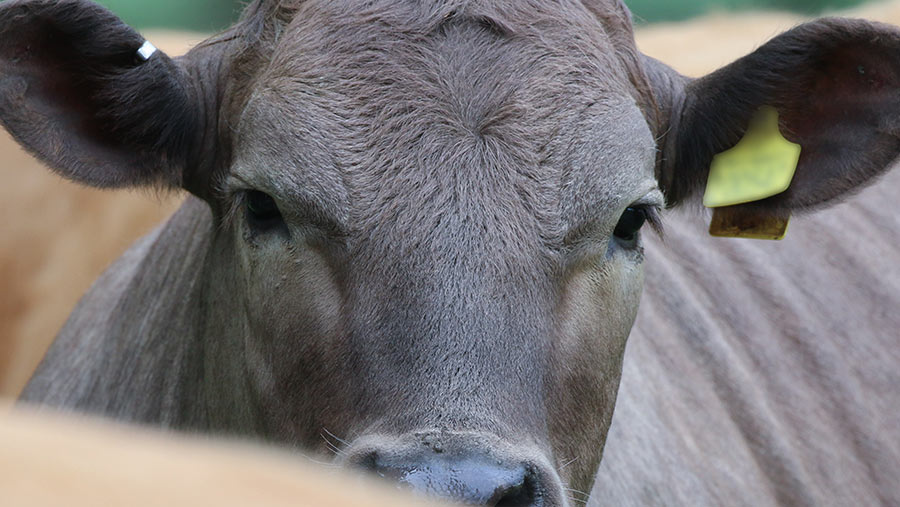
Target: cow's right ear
(835, 84)
(76, 92)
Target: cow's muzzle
(460, 468)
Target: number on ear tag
(761, 165)
(751, 224)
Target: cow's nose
(472, 480)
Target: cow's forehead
(355, 102)
(554, 50)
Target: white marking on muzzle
(146, 51)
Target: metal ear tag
(146, 51)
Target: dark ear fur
(74, 92)
(836, 85)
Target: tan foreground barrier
(47, 459)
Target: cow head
(426, 247)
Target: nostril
(519, 493)
(365, 461)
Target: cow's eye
(631, 222)
(262, 212)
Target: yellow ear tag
(761, 165)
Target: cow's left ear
(77, 90)
(836, 86)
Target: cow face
(425, 249)
(436, 220)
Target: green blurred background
(210, 15)
(673, 10)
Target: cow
(415, 241)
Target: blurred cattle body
(51, 460)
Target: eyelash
(654, 219)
